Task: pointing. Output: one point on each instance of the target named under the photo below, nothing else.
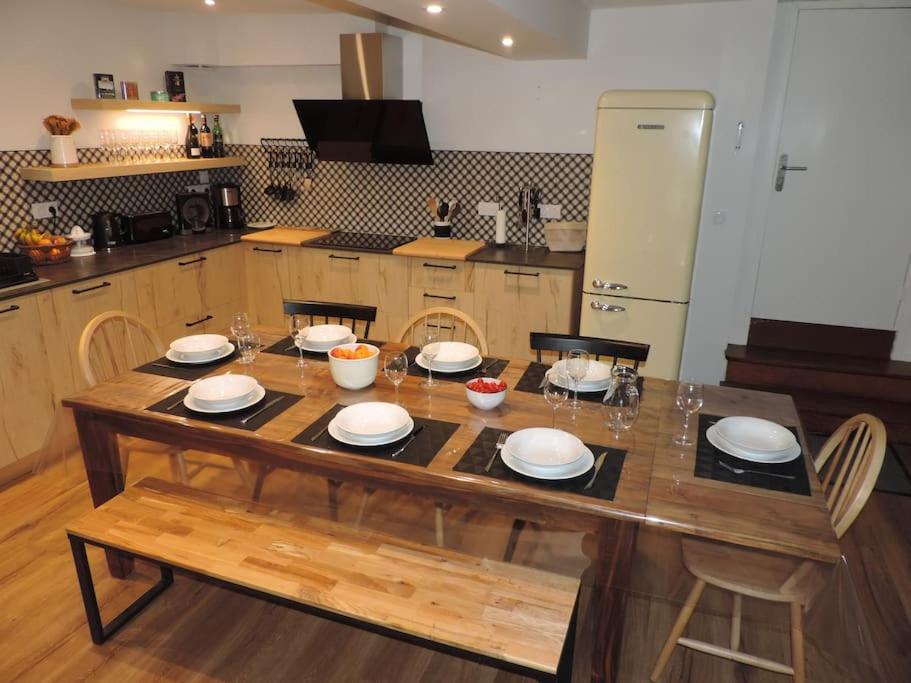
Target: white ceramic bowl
(324, 337)
(755, 434)
(354, 374)
(372, 419)
(223, 391)
(543, 447)
(198, 346)
(452, 355)
(485, 401)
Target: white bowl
(455, 355)
(223, 391)
(485, 401)
(324, 337)
(544, 447)
(357, 373)
(198, 346)
(755, 434)
(372, 419)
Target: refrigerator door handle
(601, 284)
(608, 308)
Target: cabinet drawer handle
(436, 265)
(607, 308)
(190, 263)
(346, 258)
(10, 309)
(516, 272)
(269, 251)
(92, 289)
(601, 284)
(439, 296)
(200, 321)
(440, 327)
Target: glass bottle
(218, 138)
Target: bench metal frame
(101, 632)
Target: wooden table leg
(101, 456)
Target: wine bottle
(206, 140)
(192, 142)
(218, 138)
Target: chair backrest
(114, 342)
(607, 348)
(450, 323)
(849, 463)
(324, 312)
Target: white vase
(63, 151)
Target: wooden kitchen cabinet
(267, 271)
(512, 301)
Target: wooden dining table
(657, 486)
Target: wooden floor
(195, 632)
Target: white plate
(446, 371)
(755, 434)
(257, 396)
(580, 467)
(719, 442)
(261, 225)
(223, 391)
(324, 337)
(198, 346)
(583, 388)
(311, 349)
(339, 435)
(453, 354)
(226, 351)
(599, 374)
(543, 447)
(371, 419)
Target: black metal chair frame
(609, 348)
(332, 311)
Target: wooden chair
(848, 463)
(322, 312)
(597, 347)
(451, 324)
(113, 343)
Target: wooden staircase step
(829, 339)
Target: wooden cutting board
(285, 235)
(429, 247)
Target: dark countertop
(120, 259)
(535, 257)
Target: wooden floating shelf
(150, 106)
(52, 174)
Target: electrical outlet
(43, 209)
(197, 188)
(488, 208)
(551, 212)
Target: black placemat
(479, 453)
(166, 368)
(421, 451)
(232, 419)
(286, 347)
(531, 382)
(707, 467)
(489, 367)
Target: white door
(838, 235)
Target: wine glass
(249, 345)
(620, 406)
(395, 367)
(556, 390)
(577, 362)
(430, 347)
(240, 324)
(299, 326)
(689, 400)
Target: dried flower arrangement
(61, 125)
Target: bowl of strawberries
(485, 393)
(354, 366)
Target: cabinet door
(389, 292)
(27, 396)
(221, 279)
(511, 302)
(268, 283)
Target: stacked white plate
(371, 424)
(598, 377)
(452, 356)
(546, 453)
(323, 337)
(754, 439)
(199, 348)
(224, 394)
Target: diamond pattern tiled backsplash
(346, 196)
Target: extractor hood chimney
(371, 66)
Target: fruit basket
(48, 254)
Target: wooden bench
(503, 615)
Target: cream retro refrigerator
(646, 195)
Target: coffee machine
(229, 213)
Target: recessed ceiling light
(507, 41)
(434, 9)
(210, 3)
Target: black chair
(324, 312)
(597, 347)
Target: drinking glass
(249, 345)
(430, 347)
(689, 401)
(395, 366)
(620, 406)
(577, 362)
(556, 391)
(240, 324)
(299, 326)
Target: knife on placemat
(598, 464)
(411, 439)
(266, 407)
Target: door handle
(91, 289)
(516, 272)
(268, 251)
(601, 284)
(607, 308)
(10, 309)
(436, 265)
(190, 263)
(345, 258)
(200, 321)
(784, 168)
(439, 296)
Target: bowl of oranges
(354, 366)
(43, 248)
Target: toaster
(147, 227)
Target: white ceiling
(230, 6)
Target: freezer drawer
(656, 323)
